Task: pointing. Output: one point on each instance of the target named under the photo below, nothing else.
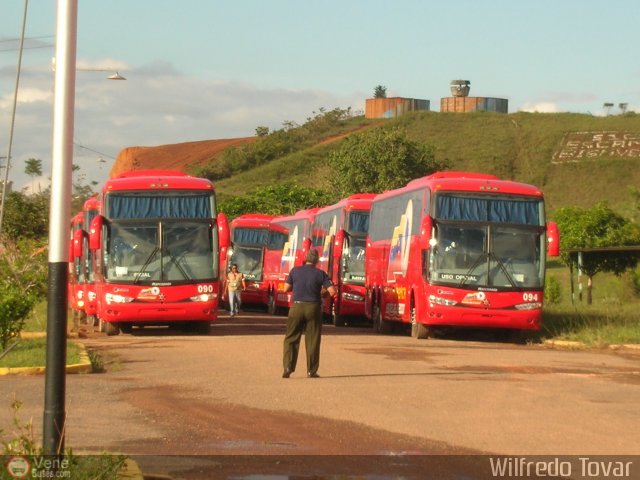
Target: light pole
(59, 215)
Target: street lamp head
(116, 76)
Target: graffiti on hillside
(582, 146)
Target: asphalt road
(166, 392)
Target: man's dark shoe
(313, 375)
(286, 374)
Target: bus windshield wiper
(146, 264)
(467, 275)
(176, 262)
(503, 268)
(489, 256)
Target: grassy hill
(518, 146)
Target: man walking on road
(308, 284)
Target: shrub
(14, 307)
(552, 291)
(378, 160)
(23, 279)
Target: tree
(23, 279)
(283, 199)
(262, 131)
(596, 227)
(635, 199)
(33, 168)
(81, 192)
(26, 216)
(380, 92)
(377, 160)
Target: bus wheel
(380, 325)
(201, 328)
(111, 328)
(418, 330)
(336, 318)
(126, 328)
(271, 304)
(511, 335)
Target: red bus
(256, 246)
(77, 271)
(339, 236)
(90, 209)
(158, 244)
(292, 255)
(458, 249)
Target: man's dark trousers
(307, 317)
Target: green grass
(596, 327)
(32, 353)
(520, 146)
(517, 146)
(37, 319)
(306, 167)
(611, 319)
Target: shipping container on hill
(474, 104)
(393, 106)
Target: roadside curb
(130, 471)
(84, 366)
(565, 344)
(568, 344)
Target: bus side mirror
(306, 246)
(224, 234)
(425, 233)
(95, 232)
(78, 240)
(553, 239)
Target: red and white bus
(458, 249)
(90, 209)
(256, 246)
(292, 255)
(158, 243)
(339, 236)
(77, 271)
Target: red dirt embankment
(176, 156)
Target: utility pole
(7, 166)
(59, 217)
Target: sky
(215, 69)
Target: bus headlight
(441, 301)
(112, 298)
(204, 297)
(529, 306)
(353, 297)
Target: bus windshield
(249, 261)
(353, 258)
(489, 256)
(170, 251)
